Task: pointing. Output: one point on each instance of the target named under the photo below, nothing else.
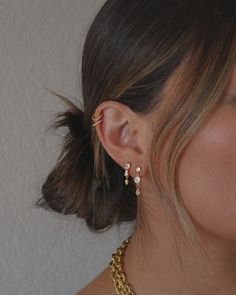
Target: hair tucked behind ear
(73, 188)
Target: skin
(207, 177)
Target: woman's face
(207, 170)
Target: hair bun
(72, 118)
(74, 122)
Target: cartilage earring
(97, 120)
(137, 181)
(126, 174)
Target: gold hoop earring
(137, 181)
(126, 174)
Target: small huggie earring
(137, 180)
(126, 174)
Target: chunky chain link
(117, 265)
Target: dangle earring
(137, 180)
(126, 174)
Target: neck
(152, 263)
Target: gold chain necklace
(117, 265)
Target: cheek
(207, 176)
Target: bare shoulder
(102, 284)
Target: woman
(156, 143)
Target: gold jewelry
(126, 174)
(137, 180)
(117, 273)
(97, 120)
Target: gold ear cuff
(97, 120)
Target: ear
(124, 135)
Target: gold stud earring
(137, 181)
(126, 174)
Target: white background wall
(41, 253)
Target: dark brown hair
(131, 50)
